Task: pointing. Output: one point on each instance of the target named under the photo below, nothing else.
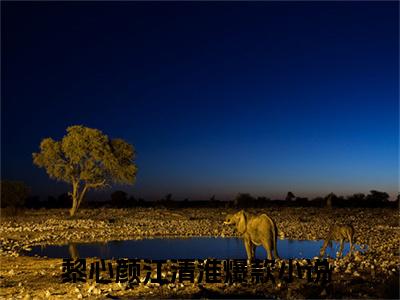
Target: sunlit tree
(87, 159)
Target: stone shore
(371, 274)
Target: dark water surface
(181, 248)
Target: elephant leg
(323, 248)
(341, 248)
(276, 250)
(322, 252)
(351, 244)
(268, 249)
(248, 246)
(253, 251)
(269, 254)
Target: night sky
(217, 98)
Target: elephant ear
(242, 224)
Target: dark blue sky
(217, 98)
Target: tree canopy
(87, 159)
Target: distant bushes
(246, 200)
(15, 195)
(62, 201)
(121, 199)
(373, 199)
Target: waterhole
(184, 248)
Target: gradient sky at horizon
(217, 98)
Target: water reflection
(73, 251)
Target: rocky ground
(371, 274)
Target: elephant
(338, 233)
(255, 231)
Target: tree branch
(85, 188)
(95, 185)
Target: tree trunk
(75, 198)
(82, 194)
(74, 208)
